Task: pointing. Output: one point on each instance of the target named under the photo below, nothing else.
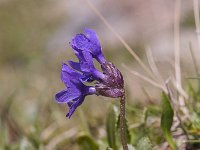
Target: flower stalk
(123, 122)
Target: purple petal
(88, 68)
(92, 36)
(74, 106)
(67, 74)
(88, 42)
(65, 96)
(86, 62)
(74, 65)
(81, 42)
(69, 70)
(87, 78)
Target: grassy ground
(30, 76)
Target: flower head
(88, 42)
(75, 92)
(86, 66)
(113, 84)
(108, 83)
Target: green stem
(123, 123)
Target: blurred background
(34, 37)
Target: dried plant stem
(153, 66)
(197, 20)
(123, 123)
(130, 50)
(143, 77)
(177, 54)
(173, 102)
(177, 41)
(194, 59)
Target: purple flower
(75, 92)
(88, 42)
(108, 83)
(86, 66)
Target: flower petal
(73, 106)
(87, 67)
(81, 42)
(68, 74)
(74, 65)
(65, 96)
(92, 36)
(87, 78)
(86, 62)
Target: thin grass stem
(193, 59)
(197, 20)
(128, 48)
(84, 121)
(61, 137)
(152, 65)
(177, 41)
(145, 78)
(175, 108)
(177, 53)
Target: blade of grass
(58, 139)
(153, 65)
(145, 78)
(128, 48)
(197, 20)
(193, 58)
(84, 121)
(177, 41)
(111, 126)
(167, 120)
(175, 108)
(177, 56)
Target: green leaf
(111, 126)
(195, 120)
(128, 135)
(167, 120)
(137, 133)
(87, 143)
(144, 144)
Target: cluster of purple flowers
(108, 83)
